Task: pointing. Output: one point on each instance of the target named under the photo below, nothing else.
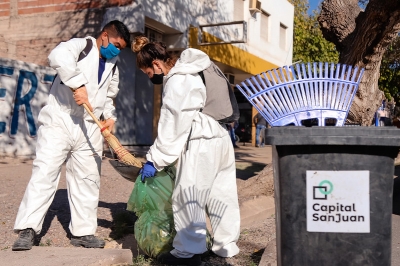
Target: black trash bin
(333, 194)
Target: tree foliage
(308, 43)
(389, 80)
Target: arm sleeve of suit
(63, 59)
(109, 108)
(183, 98)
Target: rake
(291, 95)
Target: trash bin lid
(366, 136)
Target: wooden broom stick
(123, 154)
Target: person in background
(231, 128)
(260, 124)
(382, 114)
(68, 133)
(206, 173)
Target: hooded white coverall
(206, 174)
(66, 131)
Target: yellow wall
(230, 55)
(233, 56)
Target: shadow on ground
(246, 170)
(59, 209)
(121, 224)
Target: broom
(123, 154)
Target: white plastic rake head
(291, 95)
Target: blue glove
(148, 170)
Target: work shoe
(169, 259)
(89, 241)
(25, 240)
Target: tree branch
(338, 20)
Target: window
(282, 36)
(264, 25)
(238, 12)
(153, 35)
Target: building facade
(243, 37)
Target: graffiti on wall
(24, 91)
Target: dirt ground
(115, 223)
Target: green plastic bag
(154, 232)
(154, 194)
(152, 204)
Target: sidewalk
(11, 193)
(11, 170)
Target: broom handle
(91, 114)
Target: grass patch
(142, 260)
(45, 244)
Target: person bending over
(68, 133)
(202, 149)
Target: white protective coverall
(206, 174)
(66, 131)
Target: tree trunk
(361, 38)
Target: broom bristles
(123, 154)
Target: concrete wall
(29, 30)
(137, 115)
(134, 103)
(174, 19)
(280, 12)
(24, 89)
(181, 15)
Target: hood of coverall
(191, 61)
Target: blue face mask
(110, 51)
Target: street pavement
(245, 154)
(54, 256)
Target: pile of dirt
(260, 184)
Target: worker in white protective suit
(202, 149)
(67, 132)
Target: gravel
(115, 223)
(114, 193)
